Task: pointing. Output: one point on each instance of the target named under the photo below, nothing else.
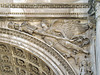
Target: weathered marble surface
(15, 61)
(97, 38)
(44, 1)
(63, 28)
(70, 37)
(44, 8)
(44, 12)
(37, 48)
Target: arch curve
(27, 43)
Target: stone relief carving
(19, 52)
(53, 32)
(7, 68)
(20, 71)
(34, 69)
(41, 44)
(21, 62)
(3, 49)
(69, 37)
(5, 59)
(33, 59)
(84, 67)
(81, 41)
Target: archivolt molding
(58, 64)
(18, 61)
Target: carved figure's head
(11, 25)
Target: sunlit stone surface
(44, 1)
(48, 37)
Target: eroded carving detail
(3, 49)
(84, 67)
(19, 52)
(20, 71)
(34, 69)
(7, 68)
(47, 47)
(21, 64)
(34, 59)
(81, 41)
(5, 59)
(67, 36)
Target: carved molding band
(44, 5)
(44, 13)
(54, 15)
(15, 61)
(6, 37)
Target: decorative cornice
(40, 15)
(45, 5)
